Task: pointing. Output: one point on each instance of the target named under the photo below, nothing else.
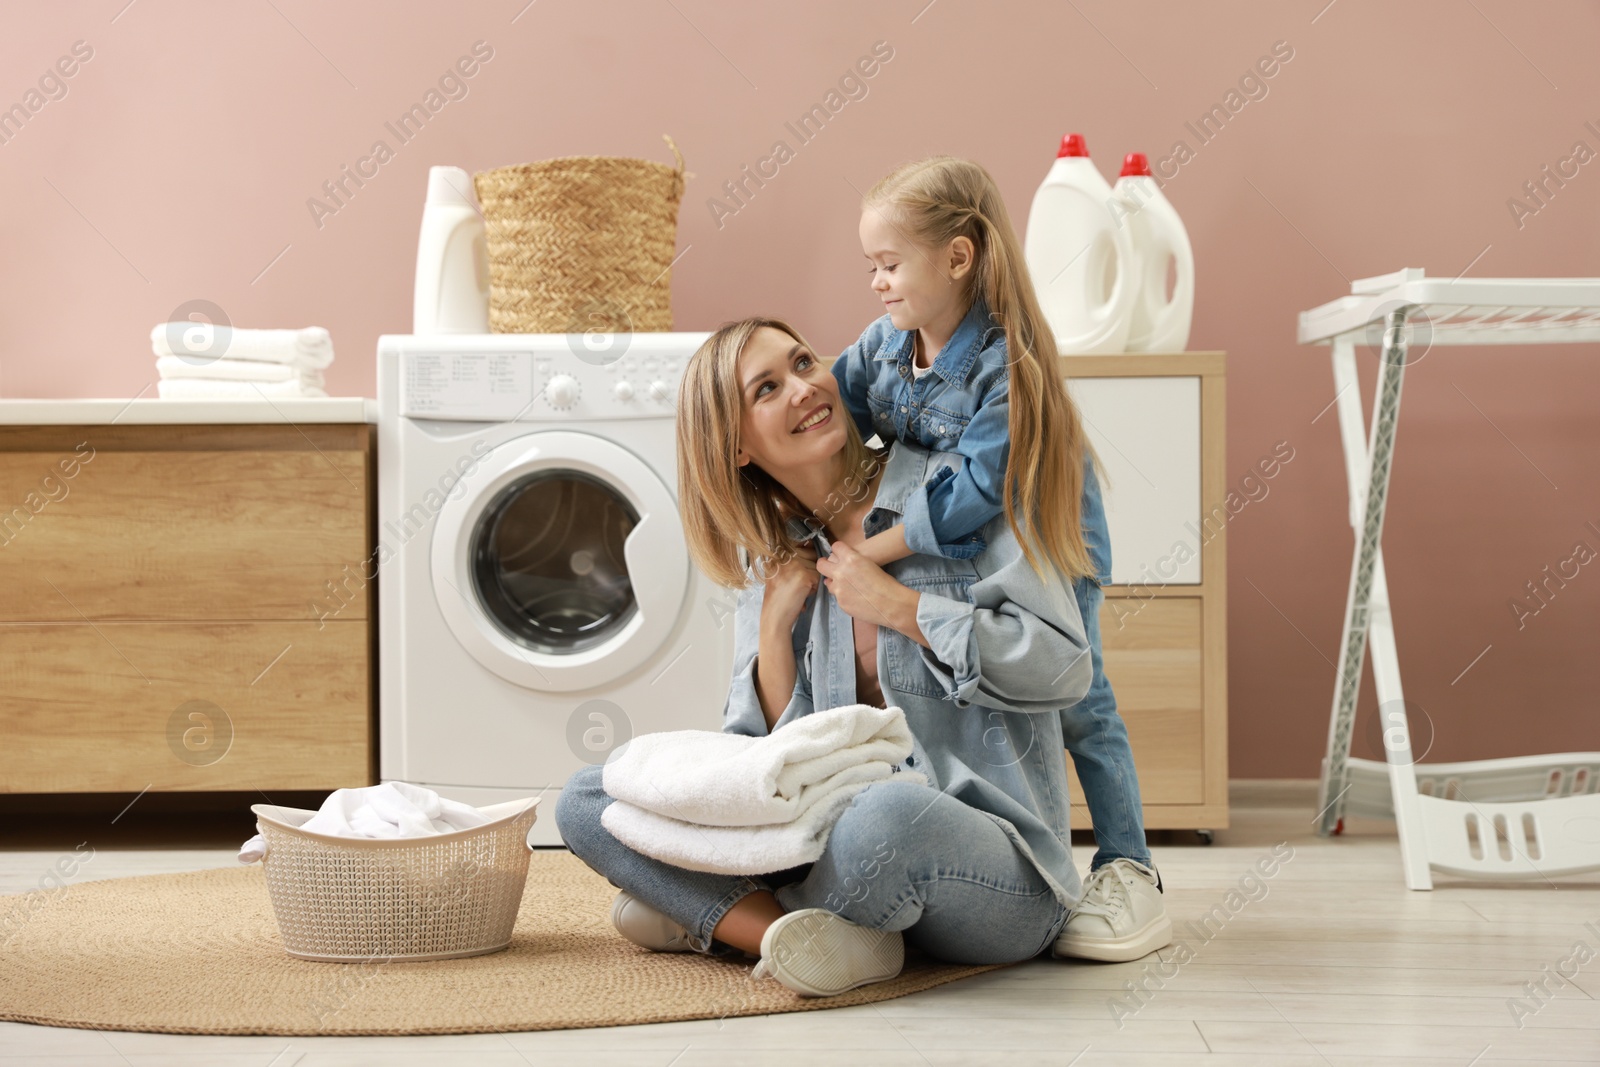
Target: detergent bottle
(1160, 244)
(1081, 262)
(452, 290)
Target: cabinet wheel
(1206, 836)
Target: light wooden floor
(1335, 962)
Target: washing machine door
(562, 566)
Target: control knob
(562, 390)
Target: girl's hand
(865, 592)
(787, 589)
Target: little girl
(963, 337)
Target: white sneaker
(819, 954)
(644, 925)
(1120, 918)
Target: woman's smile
(819, 416)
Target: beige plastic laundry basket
(581, 244)
(355, 900)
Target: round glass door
(548, 564)
(561, 565)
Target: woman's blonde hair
(728, 509)
(933, 201)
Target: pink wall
(179, 164)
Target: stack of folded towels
(734, 804)
(197, 359)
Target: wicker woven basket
(355, 900)
(581, 243)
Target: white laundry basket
(354, 900)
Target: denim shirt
(960, 406)
(983, 705)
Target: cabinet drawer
(149, 533)
(1151, 650)
(120, 706)
(1147, 433)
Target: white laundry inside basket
(390, 810)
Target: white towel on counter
(241, 370)
(390, 810)
(310, 347)
(213, 388)
(733, 804)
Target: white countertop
(158, 411)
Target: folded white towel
(739, 849)
(720, 779)
(239, 370)
(735, 804)
(310, 347)
(213, 388)
(393, 809)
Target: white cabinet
(1158, 423)
(1147, 433)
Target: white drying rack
(1517, 818)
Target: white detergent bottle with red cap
(452, 285)
(1160, 322)
(1081, 262)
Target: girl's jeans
(902, 856)
(1097, 738)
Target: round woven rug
(199, 953)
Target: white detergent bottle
(1161, 244)
(452, 294)
(1081, 262)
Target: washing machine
(537, 603)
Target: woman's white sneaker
(819, 954)
(644, 925)
(1121, 916)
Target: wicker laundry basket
(581, 244)
(355, 900)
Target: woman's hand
(782, 600)
(787, 589)
(864, 591)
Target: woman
(981, 654)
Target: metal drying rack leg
(1367, 603)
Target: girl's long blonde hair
(728, 509)
(933, 201)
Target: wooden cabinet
(1158, 424)
(186, 607)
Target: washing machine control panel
(463, 384)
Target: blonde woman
(980, 653)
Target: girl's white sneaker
(1121, 916)
(819, 954)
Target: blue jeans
(902, 856)
(1097, 738)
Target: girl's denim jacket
(1008, 652)
(960, 406)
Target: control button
(659, 390)
(624, 391)
(562, 390)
